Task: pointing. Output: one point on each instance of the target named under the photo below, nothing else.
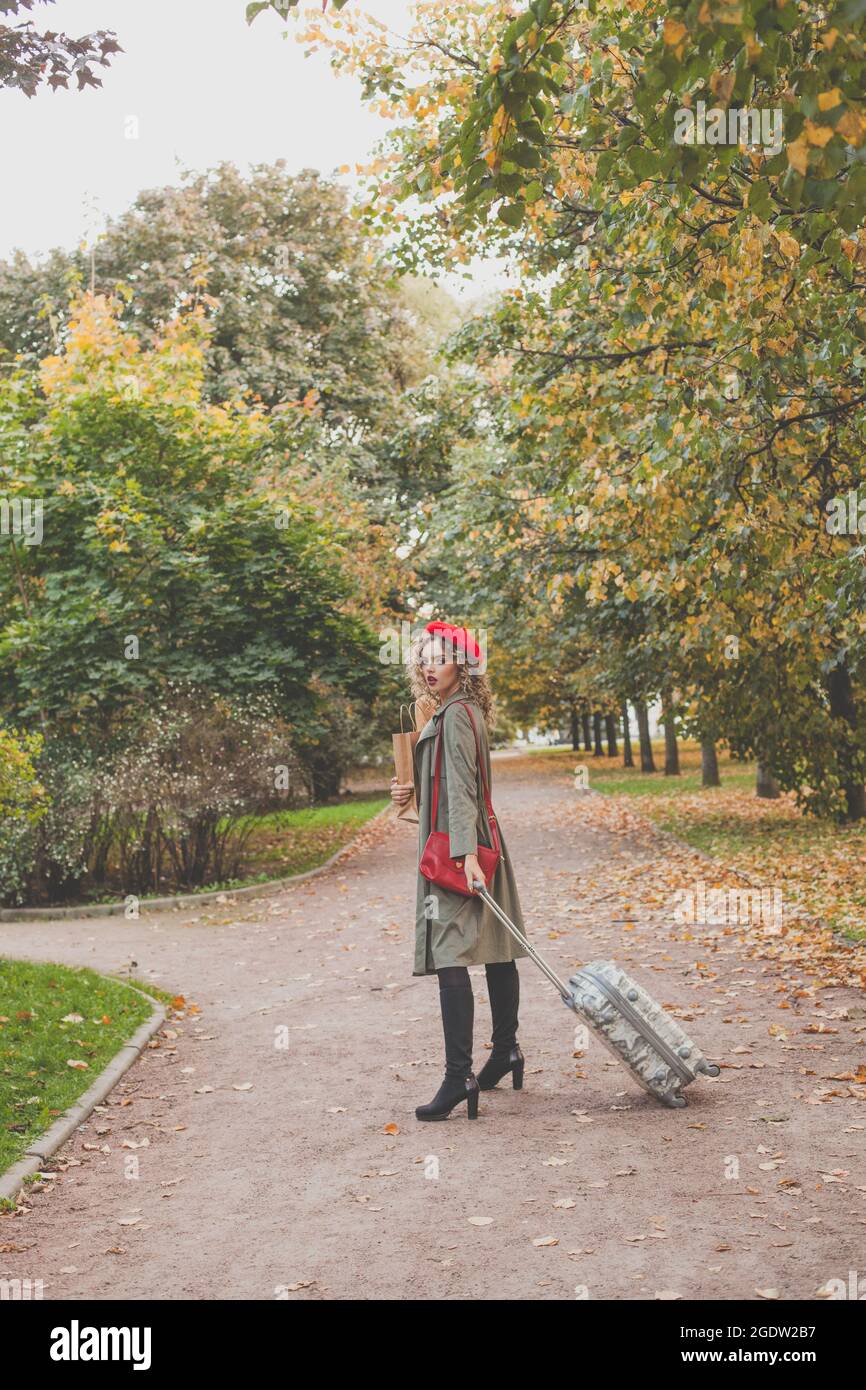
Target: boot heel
(517, 1075)
(472, 1103)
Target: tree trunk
(587, 734)
(709, 764)
(610, 734)
(627, 759)
(842, 706)
(672, 756)
(575, 730)
(325, 777)
(766, 785)
(647, 762)
(598, 751)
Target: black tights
(458, 975)
(458, 1010)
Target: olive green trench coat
(451, 929)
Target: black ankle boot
(503, 988)
(453, 1090)
(458, 1015)
(498, 1066)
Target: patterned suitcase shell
(635, 1028)
(627, 1020)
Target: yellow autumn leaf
(798, 155)
(788, 246)
(722, 85)
(674, 32)
(827, 100)
(852, 127)
(818, 134)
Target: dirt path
(295, 1182)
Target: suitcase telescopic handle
(552, 976)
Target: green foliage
(613, 80)
(305, 320)
(21, 796)
(674, 397)
(282, 7)
(46, 859)
(165, 556)
(24, 803)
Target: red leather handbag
(436, 863)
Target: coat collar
(431, 728)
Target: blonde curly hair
(473, 683)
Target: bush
(23, 803)
(172, 809)
(179, 803)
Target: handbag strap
(490, 812)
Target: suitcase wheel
(708, 1068)
(675, 1100)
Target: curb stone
(148, 905)
(12, 1180)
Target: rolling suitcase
(631, 1024)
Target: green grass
(36, 1044)
(609, 775)
(291, 842)
(622, 781)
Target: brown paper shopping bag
(425, 708)
(404, 747)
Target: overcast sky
(203, 86)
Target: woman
(453, 932)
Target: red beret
(459, 637)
